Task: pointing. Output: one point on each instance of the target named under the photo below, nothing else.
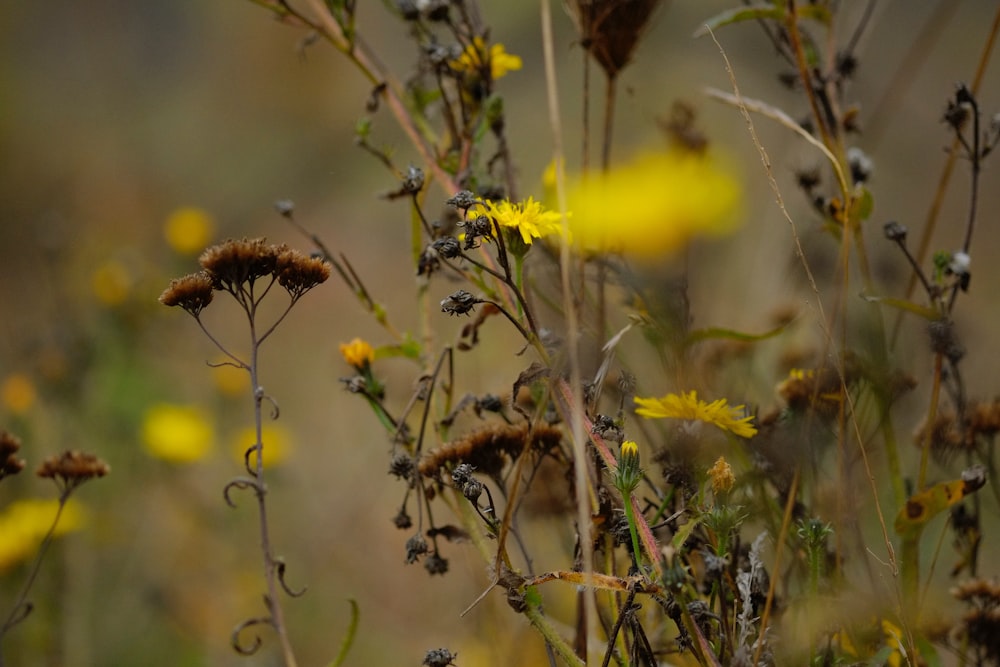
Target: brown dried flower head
(193, 292)
(72, 468)
(10, 463)
(235, 262)
(610, 29)
(298, 273)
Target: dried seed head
(447, 247)
(459, 303)
(416, 547)
(435, 564)
(895, 231)
(610, 29)
(72, 468)
(193, 292)
(402, 519)
(464, 200)
(235, 262)
(298, 273)
(439, 657)
(10, 463)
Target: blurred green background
(115, 114)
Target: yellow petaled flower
(188, 230)
(18, 393)
(277, 445)
(111, 283)
(688, 406)
(177, 433)
(357, 353)
(653, 205)
(721, 475)
(528, 217)
(24, 523)
(500, 61)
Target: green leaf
(924, 506)
(923, 311)
(861, 206)
(739, 15)
(348, 640)
(715, 332)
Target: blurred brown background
(113, 114)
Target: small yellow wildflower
(528, 217)
(18, 393)
(277, 444)
(24, 523)
(499, 60)
(357, 353)
(688, 406)
(188, 230)
(654, 205)
(721, 475)
(177, 433)
(111, 283)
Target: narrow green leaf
(923, 311)
(739, 15)
(715, 332)
(348, 640)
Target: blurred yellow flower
(500, 61)
(18, 393)
(528, 217)
(24, 523)
(721, 475)
(177, 433)
(357, 353)
(111, 283)
(230, 380)
(688, 406)
(277, 444)
(188, 230)
(653, 205)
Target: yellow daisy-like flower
(499, 60)
(721, 475)
(688, 406)
(277, 444)
(18, 393)
(24, 523)
(653, 205)
(529, 218)
(357, 353)
(188, 230)
(177, 433)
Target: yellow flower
(277, 444)
(688, 406)
(24, 523)
(177, 433)
(500, 61)
(654, 205)
(188, 230)
(528, 217)
(18, 393)
(721, 475)
(357, 353)
(111, 283)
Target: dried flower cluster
(236, 265)
(72, 468)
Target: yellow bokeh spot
(230, 380)
(177, 433)
(654, 205)
(111, 283)
(18, 393)
(24, 523)
(277, 444)
(188, 230)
